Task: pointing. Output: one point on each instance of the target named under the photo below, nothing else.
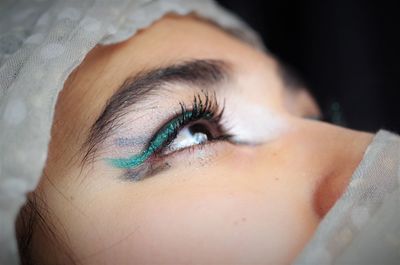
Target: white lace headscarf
(41, 42)
(363, 227)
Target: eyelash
(207, 110)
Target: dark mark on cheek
(145, 171)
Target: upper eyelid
(201, 109)
(199, 74)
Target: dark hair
(33, 218)
(27, 220)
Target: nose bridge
(315, 158)
(305, 141)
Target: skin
(241, 204)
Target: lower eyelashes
(201, 154)
(190, 128)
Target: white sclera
(185, 139)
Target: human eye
(191, 127)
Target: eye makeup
(158, 141)
(256, 124)
(204, 109)
(130, 141)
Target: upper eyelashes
(206, 110)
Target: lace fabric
(363, 227)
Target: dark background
(346, 51)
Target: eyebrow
(196, 73)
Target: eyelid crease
(208, 110)
(198, 73)
(136, 160)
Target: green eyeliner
(158, 141)
(201, 110)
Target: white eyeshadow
(255, 123)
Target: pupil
(200, 128)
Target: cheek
(219, 227)
(218, 214)
(207, 226)
(247, 206)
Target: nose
(317, 159)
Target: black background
(346, 51)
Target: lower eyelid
(197, 154)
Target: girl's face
(185, 145)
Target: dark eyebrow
(197, 73)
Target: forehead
(168, 41)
